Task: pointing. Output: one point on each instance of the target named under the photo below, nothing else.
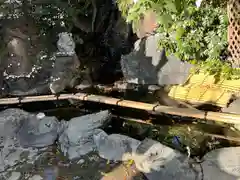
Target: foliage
(124, 6)
(187, 31)
(220, 69)
(47, 14)
(202, 35)
(193, 34)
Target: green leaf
(178, 5)
(171, 7)
(180, 31)
(165, 20)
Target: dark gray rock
(149, 65)
(32, 58)
(22, 131)
(222, 164)
(77, 137)
(158, 161)
(38, 132)
(234, 108)
(114, 147)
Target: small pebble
(40, 115)
(76, 177)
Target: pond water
(182, 134)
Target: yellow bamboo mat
(204, 89)
(209, 80)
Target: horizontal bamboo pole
(27, 99)
(151, 108)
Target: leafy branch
(193, 34)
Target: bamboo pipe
(158, 109)
(27, 99)
(151, 108)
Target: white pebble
(40, 115)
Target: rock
(102, 49)
(77, 138)
(9, 119)
(222, 164)
(19, 56)
(114, 147)
(66, 44)
(27, 129)
(149, 66)
(36, 177)
(158, 161)
(234, 108)
(64, 73)
(15, 176)
(38, 133)
(22, 131)
(40, 115)
(36, 61)
(19, 64)
(65, 70)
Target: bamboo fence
(151, 108)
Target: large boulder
(33, 57)
(150, 66)
(77, 138)
(222, 164)
(21, 132)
